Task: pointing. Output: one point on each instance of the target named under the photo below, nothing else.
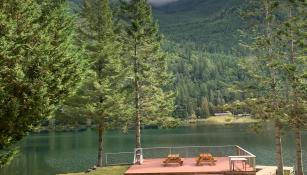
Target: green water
(47, 154)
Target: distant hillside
(212, 23)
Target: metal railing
(139, 154)
(193, 151)
(121, 158)
(186, 151)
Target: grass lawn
(222, 120)
(112, 170)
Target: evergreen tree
(205, 108)
(266, 92)
(147, 66)
(105, 98)
(293, 36)
(40, 65)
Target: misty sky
(161, 2)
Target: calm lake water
(48, 154)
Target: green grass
(222, 120)
(112, 170)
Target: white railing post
(186, 152)
(106, 159)
(138, 156)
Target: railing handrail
(247, 156)
(224, 146)
(181, 147)
(245, 150)
(120, 153)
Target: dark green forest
(203, 41)
(202, 81)
(208, 24)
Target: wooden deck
(271, 170)
(155, 167)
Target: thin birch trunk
(137, 105)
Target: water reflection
(72, 152)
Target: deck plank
(271, 170)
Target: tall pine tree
(266, 94)
(148, 71)
(105, 98)
(204, 108)
(293, 36)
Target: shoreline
(221, 120)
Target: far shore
(222, 120)
(212, 120)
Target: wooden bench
(173, 158)
(235, 159)
(205, 158)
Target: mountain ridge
(211, 23)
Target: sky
(161, 2)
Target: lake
(51, 153)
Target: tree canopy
(40, 64)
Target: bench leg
(165, 163)
(233, 166)
(245, 165)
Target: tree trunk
(137, 106)
(100, 161)
(137, 126)
(299, 156)
(137, 117)
(278, 146)
(138, 130)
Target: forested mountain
(202, 34)
(212, 24)
(202, 81)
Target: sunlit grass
(112, 170)
(222, 120)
